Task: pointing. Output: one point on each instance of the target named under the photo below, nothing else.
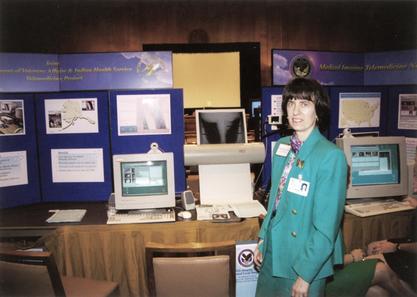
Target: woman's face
(301, 117)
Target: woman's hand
(258, 258)
(382, 246)
(300, 288)
(357, 255)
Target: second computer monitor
(216, 126)
(378, 166)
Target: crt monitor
(144, 181)
(217, 126)
(377, 166)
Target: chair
(191, 269)
(24, 273)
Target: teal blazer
(306, 230)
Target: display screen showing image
(144, 178)
(221, 126)
(375, 164)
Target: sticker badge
(283, 150)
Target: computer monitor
(255, 107)
(216, 126)
(143, 181)
(377, 166)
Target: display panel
(143, 181)
(378, 166)
(216, 126)
(144, 178)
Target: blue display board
(402, 128)
(23, 141)
(73, 132)
(362, 94)
(129, 136)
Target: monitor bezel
(219, 110)
(144, 201)
(376, 191)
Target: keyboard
(142, 216)
(372, 208)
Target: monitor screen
(144, 181)
(378, 166)
(255, 107)
(217, 126)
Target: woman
(300, 239)
(366, 276)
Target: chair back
(191, 269)
(29, 274)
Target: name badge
(283, 150)
(298, 186)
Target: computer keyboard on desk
(142, 216)
(372, 208)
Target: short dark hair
(308, 89)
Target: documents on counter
(66, 216)
(242, 210)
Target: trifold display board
(19, 172)
(142, 117)
(74, 146)
(363, 109)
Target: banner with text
(28, 72)
(90, 71)
(342, 69)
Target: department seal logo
(245, 258)
(300, 66)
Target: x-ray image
(221, 126)
(144, 114)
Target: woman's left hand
(300, 288)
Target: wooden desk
(30, 221)
(117, 252)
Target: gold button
(293, 234)
(294, 211)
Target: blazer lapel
(303, 154)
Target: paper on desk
(248, 209)
(206, 212)
(67, 216)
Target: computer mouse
(185, 215)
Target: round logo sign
(245, 258)
(300, 66)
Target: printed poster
(77, 165)
(71, 116)
(140, 114)
(12, 119)
(359, 110)
(407, 111)
(13, 169)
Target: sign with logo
(345, 69)
(246, 275)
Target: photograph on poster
(77, 165)
(64, 116)
(359, 110)
(13, 169)
(143, 114)
(407, 111)
(12, 120)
